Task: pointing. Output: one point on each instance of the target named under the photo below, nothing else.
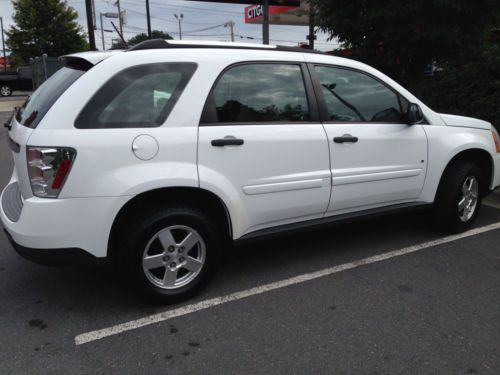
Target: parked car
(21, 80)
(161, 156)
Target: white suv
(160, 156)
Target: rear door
(376, 158)
(261, 146)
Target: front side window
(352, 96)
(259, 93)
(138, 97)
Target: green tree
(470, 89)
(401, 37)
(44, 26)
(155, 34)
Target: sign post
(265, 22)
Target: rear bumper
(55, 227)
(53, 257)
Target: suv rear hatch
(28, 117)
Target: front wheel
(458, 198)
(5, 90)
(170, 253)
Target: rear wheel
(170, 253)
(459, 197)
(5, 90)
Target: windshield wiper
(345, 102)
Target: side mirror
(414, 114)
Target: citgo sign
(254, 13)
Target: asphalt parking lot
(431, 309)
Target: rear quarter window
(138, 97)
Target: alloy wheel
(5, 91)
(174, 257)
(468, 202)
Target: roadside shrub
(469, 89)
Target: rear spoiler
(86, 60)
(76, 63)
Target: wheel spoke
(190, 241)
(192, 264)
(166, 239)
(170, 277)
(461, 204)
(470, 184)
(464, 188)
(153, 261)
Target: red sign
(2, 61)
(254, 13)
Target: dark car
(22, 80)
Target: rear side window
(258, 93)
(39, 103)
(139, 97)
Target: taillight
(494, 133)
(48, 168)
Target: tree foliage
(401, 37)
(155, 34)
(44, 26)
(470, 89)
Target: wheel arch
(481, 158)
(198, 198)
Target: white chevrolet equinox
(160, 156)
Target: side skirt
(310, 225)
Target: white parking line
(163, 316)
(491, 203)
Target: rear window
(39, 103)
(138, 97)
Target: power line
(196, 9)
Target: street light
(179, 19)
(107, 15)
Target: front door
(376, 159)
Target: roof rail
(164, 44)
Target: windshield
(39, 103)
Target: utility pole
(90, 24)
(3, 47)
(230, 24)
(265, 21)
(148, 17)
(312, 35)
(120, 35)
(119, 17)
(179, 19)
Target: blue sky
(197, 15)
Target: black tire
(446, 209)
(142, 230)
(5, 90)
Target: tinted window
(259, 93)
(355, 97)
(39, 103)
(142, 96)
